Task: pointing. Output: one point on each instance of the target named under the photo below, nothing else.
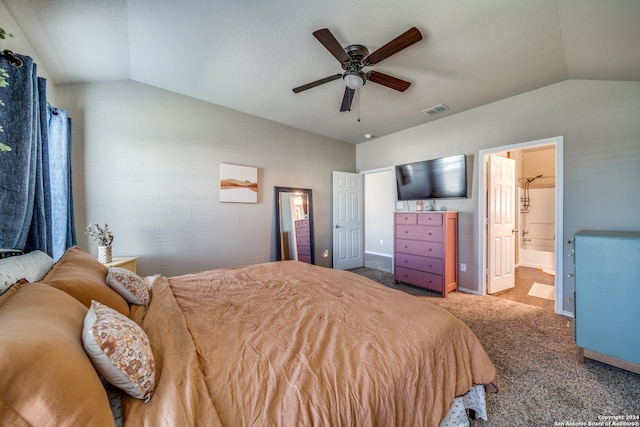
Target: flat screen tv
(444, 178)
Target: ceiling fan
(355, 57)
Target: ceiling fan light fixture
(353, 79)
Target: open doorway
(537, 230)
(379, 201)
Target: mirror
(294, 224)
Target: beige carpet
(542, 384)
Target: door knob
(337, 226)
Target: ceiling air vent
(435, 109)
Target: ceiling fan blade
(403, 41)
(388, 81)
(327, 39)
(317, 83)
(347, 99)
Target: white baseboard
(378, 254)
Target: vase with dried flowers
(104, 238)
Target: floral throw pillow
(129, 285)
(120, 350)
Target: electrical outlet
(381, 242)
(463, 267)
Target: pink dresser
(426, 250)
(303, 243)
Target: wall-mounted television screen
(444, 178)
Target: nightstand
(128, 263)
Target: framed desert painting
(238, 184)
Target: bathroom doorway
(537, 233)
(536, 210)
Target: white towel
(542, 291)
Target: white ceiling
(248, 54)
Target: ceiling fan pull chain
(358, 95)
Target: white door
(348, 224)
(501, 224)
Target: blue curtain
(36, 205)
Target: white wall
(378, 208)
(146, 161)
(18, 44)
(599, 122)
(537, 226)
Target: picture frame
(238, 184)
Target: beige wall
(599, 122)
(146, 161)
(538, 162)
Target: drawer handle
(429, 249)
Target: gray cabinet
(607, 297)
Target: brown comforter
(291, 344)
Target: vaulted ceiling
(248, 55)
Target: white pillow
(120, 350)
(32, 266)
(129, 285)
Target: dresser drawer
(304, 250)
(303, 240)
(421, 263)
(419, 232)
(419, 247)
(304, 258)
(419, 278)
(302, 223)
(430, 219)
(406, 218)
(302, 232)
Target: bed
(281, 343)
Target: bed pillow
(47, 378)
(120, 351)
(129, 285)
(13, 289)
(31, 266)
(84, 278)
